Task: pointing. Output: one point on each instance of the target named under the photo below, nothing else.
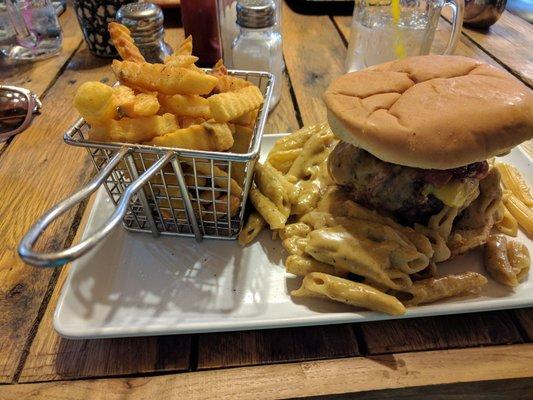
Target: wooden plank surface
(314, 55)
(443, 332)
(231, 349)
(503, 389)
(38, 76)
(315, 378)
(283, 116)
(509, 41)
(525, 319)
(37, 170)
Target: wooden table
(467, 356)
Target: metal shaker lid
(256, 14)
(144, 20)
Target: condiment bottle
(145, 21)
(258, 47)
(199, 19)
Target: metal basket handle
(30, 256)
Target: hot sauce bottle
(199, 18)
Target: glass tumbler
(385, 30)
(29, 29)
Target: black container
(93, 17)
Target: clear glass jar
(29, 29)
(260, 49)
(228, 28)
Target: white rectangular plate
(136, 285)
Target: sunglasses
(17, 107)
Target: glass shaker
(258, 46)
(228, 28)
(145, 22)
(29, 29)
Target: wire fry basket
(159, 190)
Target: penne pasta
(252, 228)
(334, 243)
(274, 186)
(302, 265)
(522, 213)
(513, 181)
(283, 159)
(318, 284)
(267, 209)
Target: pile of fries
(174, 104)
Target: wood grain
(174, 35)
(443, 332)
(314, 55)
(230, 349)
(37, 170)
(525, 318)
(509, 41)
(283, 116)
(39, 75)
(326, 377)
(503, 389)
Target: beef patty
(391, 187)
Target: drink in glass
(391, 29)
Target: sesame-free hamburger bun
(431, 112)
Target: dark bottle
(199, 18)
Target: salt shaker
(145, 21)
(258, 47)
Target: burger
(415, 136)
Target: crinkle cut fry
(185, 48)
(124, 43)
(228, 106)
(166, 79)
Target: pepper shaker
(145, 21)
